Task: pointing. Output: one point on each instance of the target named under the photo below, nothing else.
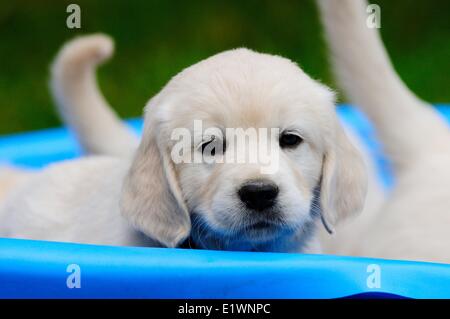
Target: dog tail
(80, 103)
(407, 127)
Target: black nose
(258, 194)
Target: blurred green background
(157, 39)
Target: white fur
(93, 200)
(74, 201)
(10, 178)
(413, 221)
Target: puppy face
(230, 201)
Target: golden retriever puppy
(208, 192)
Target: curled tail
(407, 127)
(81, 104)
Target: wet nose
(258, 194)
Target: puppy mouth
(263, 230)
(265, 227)
(262, 225)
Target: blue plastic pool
(36, 269)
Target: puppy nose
(258, 194)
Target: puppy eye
(290, 140)
(213, 146)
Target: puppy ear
(151, 197)
(344, 181)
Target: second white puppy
(412, 223)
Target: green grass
(157, 39)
